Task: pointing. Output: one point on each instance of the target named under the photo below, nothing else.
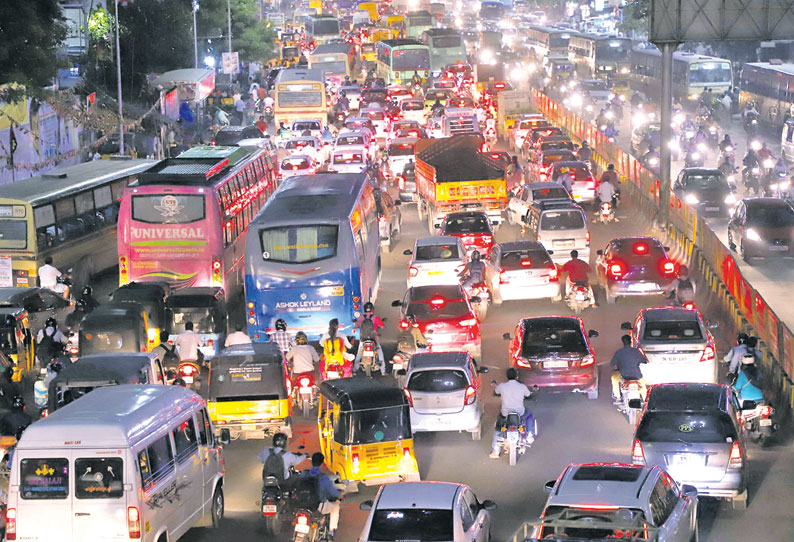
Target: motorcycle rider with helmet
(512, 394)
(585, 152)
(368, 325)
(302, 357)
(473, 272)
(748, 384)
(682, 289)
(85, 304)
(288, 459)
(626, 364)
(49, 342)
(734, 356)
(15, 421)
(281, 337)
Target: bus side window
(45, 226)
(103, 202)
(84, 205)
(202, 420)
(69, 226)
(185, 440)
(117, 190)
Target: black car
(762, 227)
(706, 189)
(228, 136)
(630, 266)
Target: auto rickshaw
(206, 309)
(365, 431)
(114, 328)
(16, 342)
(396, 25)
(290, 55)
(151, 295)
(249, 391)
(368, 53)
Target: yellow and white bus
(66, 213)
(300, 94)
(334, 60)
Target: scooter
(480, 298)
(578, 298)
(268, 113)
(695, 157)
(606, 212)
(631, 400)
(304, 390)
(758, 422)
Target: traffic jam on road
(406, 255)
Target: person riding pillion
(626, 364)
(335, 347)
(473, 272)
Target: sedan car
(405, 128)
(677, 343)
(630, 266)
(554, 352)
(473, 228)
(521, 270)
(296, 164)
(762, 227)
(359, 138)
(427, 511)
(521, 130)
(705, 189)
(313, 126)
(349, 160)
(413, 109)
(445, 392)
(436, 260)
(519, 204)
(583, 187)
(599, 501)
(695, 432)
(447, 313)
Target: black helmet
(281, 325)
(87, 290)
(280, 440)
(585, 143)
(369, 307)
(51, 322)
(301, 338)
(475, 256)
(17, 403)
(741, 338)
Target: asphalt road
(571, 429)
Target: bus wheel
(217, 507)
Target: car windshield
(665, 331)
(710, 427)
(468, 224)
(562, 220)
(427, 310)
(556, 145)
(549, 337)
(411, 524)
(437, 380)
(706, 182)
(525, 259)
(778, 216)
(550, 193)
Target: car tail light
(668, 267)
(587, 238)
(736, 460)
(640, 248)
(526, 263)
(382, 219)
(524, 364)
(288, 384)
(438, 301)
(413, 271)
(302, 518)
(133, 523)
(187, 370)
(590, 183)
(689, 305)
(554, 274)
(404, 324)
(355, 463)
(469, 322)
(588, 360)
(487, 238)
(708, 353)
(407, 393)
(503, 277)
(637, 454)
(471, 395)
(617, 269)
(11, 524)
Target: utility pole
(195, 34)
(229, 19)
(118, 82)
(666, 131)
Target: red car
(473, 228)
(445, 316)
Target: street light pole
(118, 81)
(195, 35)
(229, 19)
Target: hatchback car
(599, 501)
(528, 194)
(440, 94)
(472, 227)
(296, 164)
(554, 352)
(542, 167)
(427, 511)
(694, 431)
(561, 226)
(762, 227)
(677, 343)
(446, 312)
(436, 260)
(630, 266)
(445, 392)
(537, 133)
(349, 160)
(521, 270)
(413, 109)
(307, 145)
(705, 189)
(583, 187)
(360, 138)
(400, 125)
(522, 128)
(313, 126)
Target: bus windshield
(168, 208)
(613, 49)
(410, 59)
(299, 244)
(326, 26)
(710, 72)
(446, 41)
(420, 21)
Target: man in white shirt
(302, 355)
(513, 394)
(606, 192)
(238, 337)
(269, 101)
(188, 343)
(48, 278)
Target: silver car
(597, 501)
(693, 431)
(445, 392)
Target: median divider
(693, 242)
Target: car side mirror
(749, 405)
(366, 505)
(689, 491)
(482, 370)
(599, 252)
(626, 326)
(592, 333)
(549, 486)
(396, 303)
(506, 337)
(475, 299)
(408, 252)
(488, 505)
(712, 325)
(635, 403)
(226, 437)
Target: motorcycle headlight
(653, 161)
(752, 235)
(756, 171)
(773, 186)
(673, 145)
(689, 134)
(728, 149)
(702, 147)
(756, 145)
(691, 199)
(730, 199)
(695, 156)
(769, 163)
(712, 130)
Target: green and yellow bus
(397, 60)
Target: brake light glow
(11, 524)
(468, 322)
(587, 238)
(187, 370)
(766, 411)
(302, 518)
(355, 463)
(413, 271)
(438, 301)
(133, 523)
(526, 263)
(381, 219)
(595, 507)
(708, 353)
(304, 382)
(616, 269)
(503, 278)
(471, 395)
(407, 393)
(637, 453)
(640, 248)
(404, 324)
(588, 360)
(735, 462)
(668, 267)
(554, 274)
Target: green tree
(32, 31)
(636, 17)
(251, 36)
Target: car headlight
(752, 235)
(624, 70)
(730, 199)
(691, 199)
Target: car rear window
(697, 427)
(300, 126)
(401, 149)
(549, 159)
(578, 173)
(44, 478)
(348, 158)
(296, 143)
(438, 380)
(436, 252)
(562, 220)
(607, 473)
(410, 524)
(672, 331)
(547, 337)
(99, 478)
(350, 140)
(295, 163)
(525, 259)
(771, 217)
(427, 310)
(549, 193)
(555, 145)
(469, 224)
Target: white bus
(130, 462)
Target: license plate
(188, 379)
(435, 272)
(332, 374)
(512, 436)
(683, 459)
(306, 390)
(778, 248)
(642, 286)
(301, 528)
(765, 422)
(269, 509)
(337, 290)
(712, 208)
(562, 244)
(674, 359)
(368, 354)
(555, 365)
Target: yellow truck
(453, 175)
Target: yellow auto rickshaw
(368, 53)
(248, 392)
(396, 25)
(290, 55)
(365, 431)
(16, 342)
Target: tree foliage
(31, 33)
(250, 37)
(636, 17)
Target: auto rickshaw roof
(12, 296)
(195, 297)
(112, 313)
(147, 289)
(361, 393)
(119, 367)
(12, 311)
(254, 353)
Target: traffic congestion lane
(571, 428)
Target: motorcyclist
(682, 288)
(188, 344)
(578, 271)
(601, 119)
(48, 278)
(327, 136)
(281, 336)
(513, 394)
(16, 421)
(335, 346)
(734, 356)
(49, 342)
(764, 153)
(283, 131)
(302, 356)
(368, 325)
(780, 168)
(688, 126)
(585, 152)
(86, 300)
(514, 174)
(565, 179)
(268, 102)
(626, 364)
(751, 159)
(606, 192)
(416, 79)
(652, 153)
(437, 109)
(610, 131)
(610, 176)
(725, 166)
(343, 100)
(416, 334)
(726, 145)
(326, 492)
(750, 112)
(473, 272)
(748, 384)
(279, 465)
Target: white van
(130, 462)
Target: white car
(349, 160)
(521, 270)
(427, 511)
(359, 138)
(400, 153)
(307, 145)
(378, 118)
(521, 129)
(314, 126)
(519, 204)
(436, 260)
(413, 109)
(296, 164)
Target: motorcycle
(729, 153)
(479, 296)
(310, 526)
(631, 400)
(275, 504)
(305, 393)
(268, 114)
(758, 422)
(695, 157)
(369, 357)
(578, 298)
(751, 178)
(751, 125)
(332, 371)
(606, 212)
(774, 185)
(514, 437)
